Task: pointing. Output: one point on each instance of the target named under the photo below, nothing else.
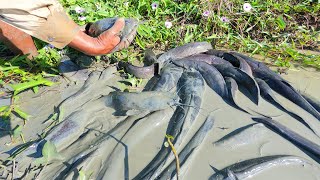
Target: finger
(126, 41)
(132, 35)
(118, 26)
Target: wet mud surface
(106, 134)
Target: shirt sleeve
(43, 19)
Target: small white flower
(98, 6)
(247, 7)
(168, 24)
(154, 5)
(82, 18)
(224, 19)
(206, 13)
(126, 4)
(79, 9)
(48, 46)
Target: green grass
(274, 29)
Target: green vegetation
(271, 28)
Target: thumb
(118, 26)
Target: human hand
(126, 41)
(110, 39)
(127, 34)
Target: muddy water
(142, 142)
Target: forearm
(86, 44)
(43, 19)
(103, 44)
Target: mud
(92, 140)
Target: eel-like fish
(251, 167)
(210, 74)
(312, 101)
(130, 103)
(174, 129)
(193, 88)
(241, 78)
(239, 62)
(170, 75)
(146, 72)
(242, 136)
(184, 51)
(278, 84)
(294, 137)
(170, 171)
(267, 94)
(92, 88)
(72, 71)
(127, 34)
(232, 89)
(149, 57)
(234, 59)
(210, 59)
(286, 90)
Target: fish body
(184, 51)
(239, 62)
(170, 171)
(210, 74)
(312, 101)
(183, 114)
(98, 27)
(242, 78)
(72, 71)
(242, 136)
(249, 168)
(267, 94)
(210, 59)
(232, 87)
(146, 72)
(169, 77)
(292, 136)
(131, 102)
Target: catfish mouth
(87, 28)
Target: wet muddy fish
(278, 84)
(234, 59)
(287, 91)
(292, 136)
(249, 168)
(239, 62)
(232, 89)
(146, 72)
(96, 28)
(196, 140)
(93, 87)
(315, 103)
(210, 74)
(210, 59)
(149, 57)
(192, 87)
(170, 75)
(242, 78)
(242, 136)
(72, 71)
(174, 129)
(268, 95)
(184, 51)
(114, 164)
(130, 103)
